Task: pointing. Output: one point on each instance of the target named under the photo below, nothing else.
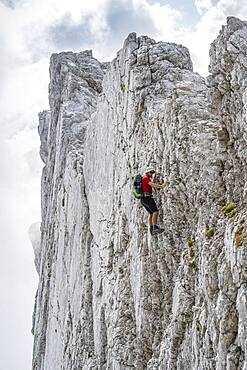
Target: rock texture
(110, 296)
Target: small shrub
(192, 263)
(232, 213)
(122, 87)
(191, 252)
(189, 243)
(228, 208)
(185, 253)
(209, 233)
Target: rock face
(110, 296)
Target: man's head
(149, 171)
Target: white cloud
(170, 27)
(20, 199)
(199, 40)
(207, 29)
(202, 5)
(24, 90)
(29, 21)
(165, 18)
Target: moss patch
(209, 233)
(228, 209)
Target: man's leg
(151, 207)
(155, 228)
(150, 222)
(154, 218)
(153, 221)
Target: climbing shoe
(157, 230)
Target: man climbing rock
(148, 201)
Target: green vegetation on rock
(228, 208)
(209, 233)
(122, 87)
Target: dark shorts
(149, 204)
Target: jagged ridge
(110, 297)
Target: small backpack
(137, 186)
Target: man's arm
(157, 186)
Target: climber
(148, 201)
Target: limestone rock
(44, 122)
(34, 236)
(110, 296)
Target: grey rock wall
(110, 296)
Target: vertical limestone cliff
(110, 296)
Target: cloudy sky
(30, 30)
